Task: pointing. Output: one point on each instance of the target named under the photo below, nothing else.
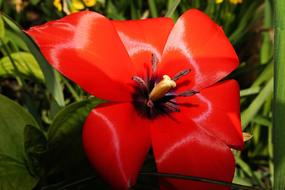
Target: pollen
(161, 88)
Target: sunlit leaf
(2, 28)
(26, 64)
(51, 79)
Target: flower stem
(204, 180)
(279, 96)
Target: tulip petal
(217, 109)
(142, 38)
(116, 140)
(198, 44)
(86, 48)
(181, 147)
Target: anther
(162, 88)
(181, 74)
(188, 93)
(171, 107)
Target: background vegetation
(41, 112)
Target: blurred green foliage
(26, 78)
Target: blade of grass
(2, 29)
(52, 82)
(248, 114)
(152, 8)
(246, 21)
(279, 96)
(15, 67)
(249, 91)
(264, 76)
(172, 8)
(266, 46)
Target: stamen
(162, 88)
(140, 81)
(181, 74)
(188, 93)
(154, 62)
(171, 107)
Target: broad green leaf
(25, 63)
(14, 175)
(14, 172)
(52, 81)
(35, 147)
(64, 139)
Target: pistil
(160, 89)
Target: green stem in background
(203, 180)
(264, 76)
(249, 91)
(172, 8)
(279, 96)
(250, 16)
(134, 13)
(18, 73)
(266, 46)
(62, 186)
(248, 114)
(2, 28)
(71, 90)
(152, 8)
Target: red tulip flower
(163, 84)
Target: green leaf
(25, 62)
(152, 8)
(279, 96)
(64, 139)
(14, 172)
(172, 8)
(14, 175)
(248, 114)
(34, 2)
(12, 37)
(52, 81)
(2, 28)
(35, 147)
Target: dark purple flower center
(164, 105)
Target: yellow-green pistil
(160, 89)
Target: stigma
(161, 88)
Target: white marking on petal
(115, 140)
(204, 115)
(176, 41)
(135, 46)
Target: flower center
(162, 88)
(153, 97)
